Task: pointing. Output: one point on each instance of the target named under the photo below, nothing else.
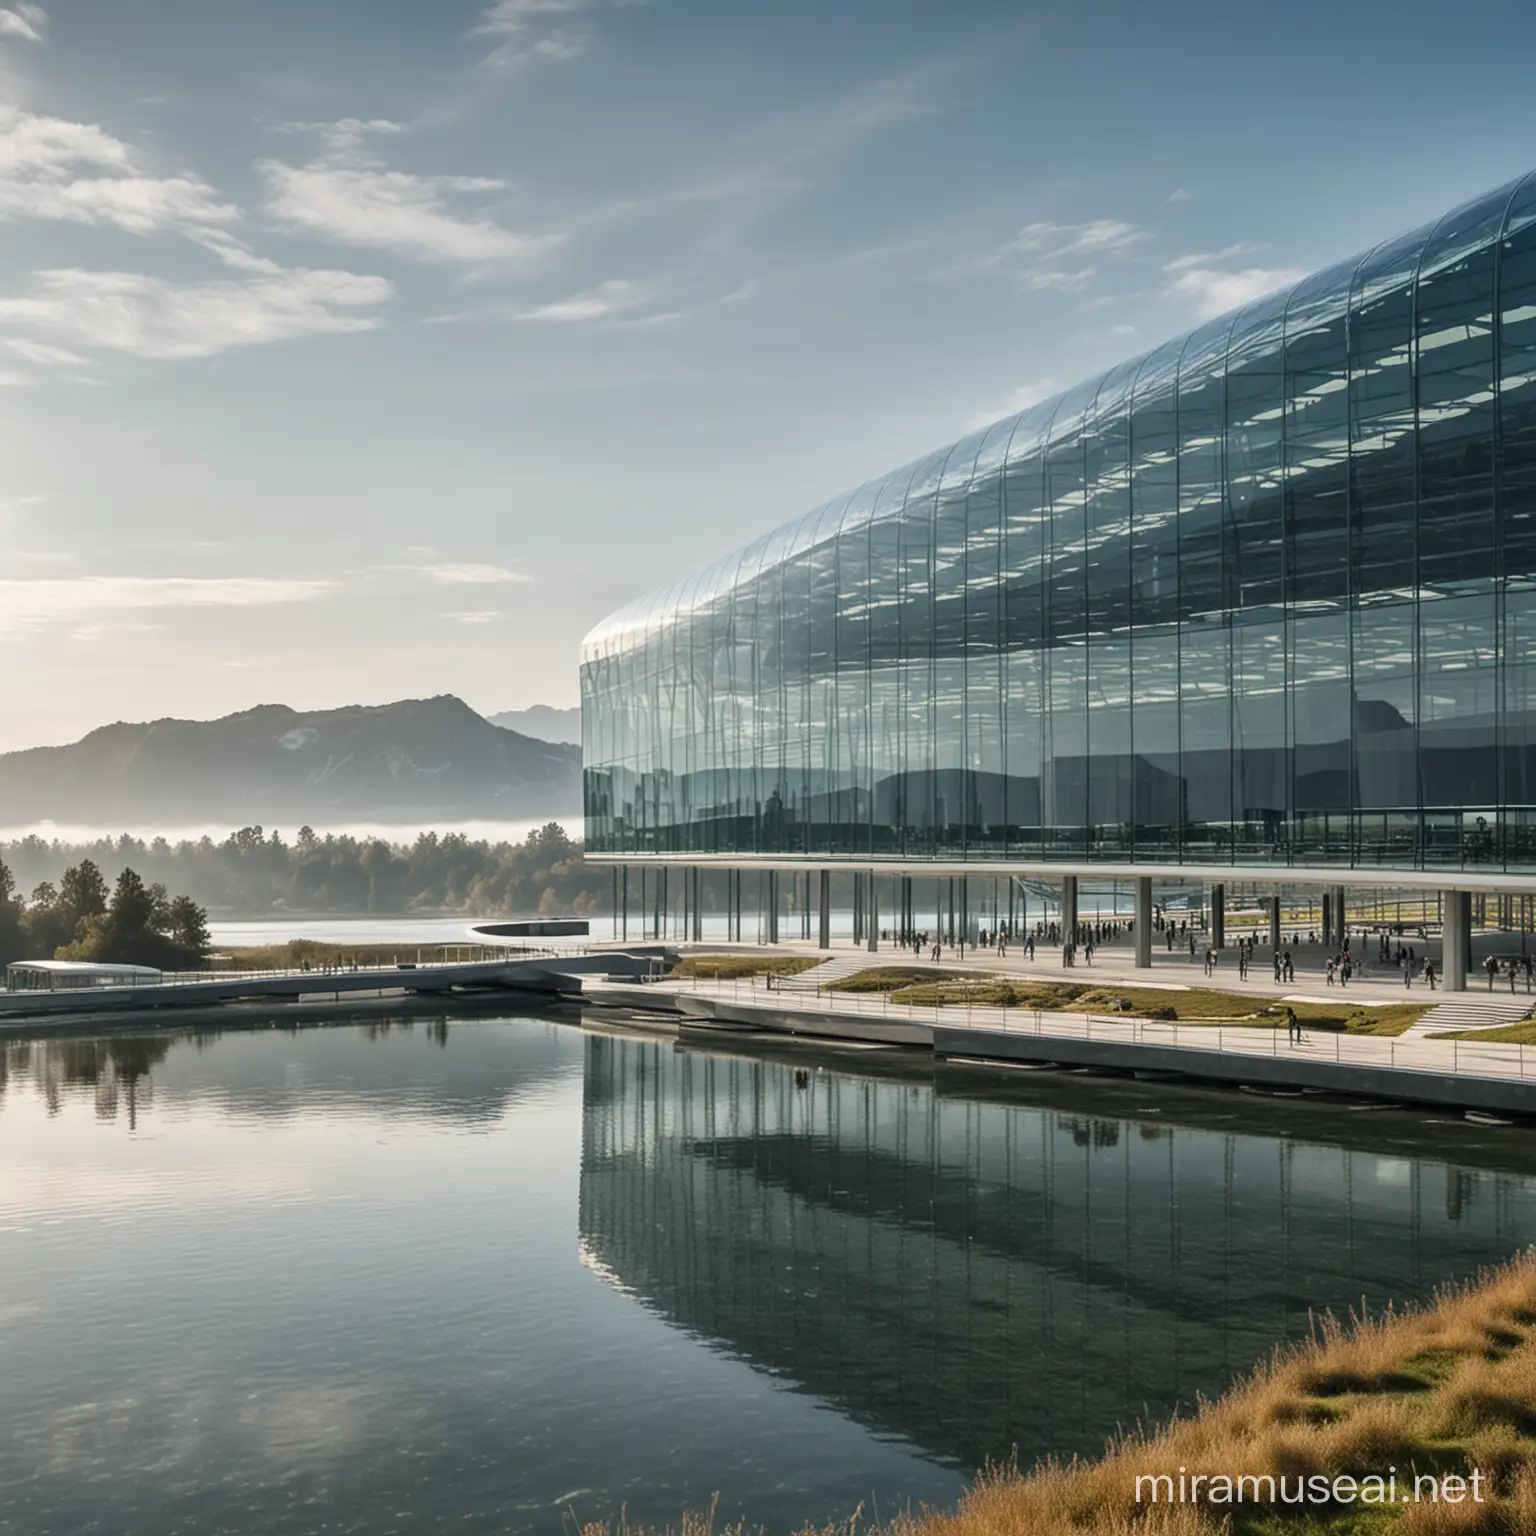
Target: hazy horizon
(358, 353)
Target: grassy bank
(1448, 1390)
(932, 987)
(729, 967)
(1442, 1393)
(1523, 1033)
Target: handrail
(1488, 1060)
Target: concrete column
(1068, 908)
(1142, 933)
(824, 910)
(771, 927)
(1456, 914)
(1327, 918)
(872, 916)
(1274, 923)
(1218, 917)
(1340, 914)
(698, 905)
(624, 904)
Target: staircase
(813, 980)
(1471, 1010)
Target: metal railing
(1464, 1058)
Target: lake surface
(463, 1274)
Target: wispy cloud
(1180, 195)
(150, 317)
(30, 605)
(535, 31)
(1076, 239)
(1021, 399)
(475, 616)
(60, 171)
(42, 353)
(1055, 258)
(1208, 258)
(450, 574)
(345, 194)
(1215, 289)
(598, 303)
(26, 22)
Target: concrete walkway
(1468, 1074)
(1114, 965)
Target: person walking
(1491, 969)
(1429, 975)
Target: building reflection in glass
(972, 1276)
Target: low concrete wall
(1462, 1091)
(820, 1026)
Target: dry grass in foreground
(1450, 1389)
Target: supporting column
(1142, 932)
(624, 907)
(614, 909)
(1340, 915)
(1218, 916)
(698, 905)
(1456, 924)
(1068, 908)
(772, 925)
(1274, 923)
(872, 916)
(1327, 918)
(824, 910)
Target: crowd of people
(1345, 962)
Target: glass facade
(1265, 596)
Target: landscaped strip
(931, 987)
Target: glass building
(1262, 600)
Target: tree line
(254, 873)
(80, 918)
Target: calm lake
(466, 1273)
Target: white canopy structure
(67, 975)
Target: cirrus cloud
(30, 605)
(149, 317)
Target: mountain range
(542, 721)
(404, 761)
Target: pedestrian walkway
(1467, 1010)
(818, 976)
(748, 1000)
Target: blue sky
(358, 349)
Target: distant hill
(543, 721)
(418, 758)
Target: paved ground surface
(1114, 962)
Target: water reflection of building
(975, 1275)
